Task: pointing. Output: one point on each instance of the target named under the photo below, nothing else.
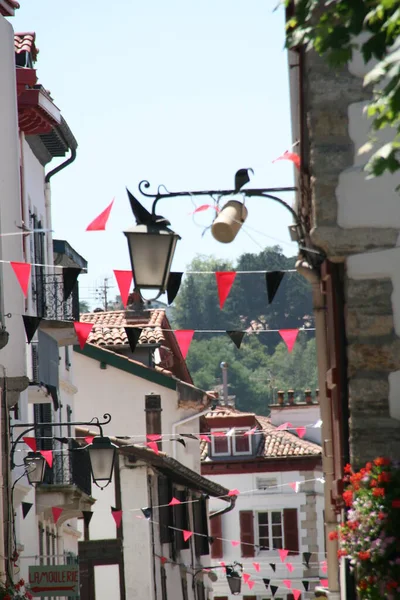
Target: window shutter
(44, 435)
(164, 512)
(221, 598)
(291, 530)
(181, 519)
(216, 533)
(255, 598)
(200, 526)
(246, 518)
(291, 597)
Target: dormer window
(241, 441)
(236, 443)
(220, 443)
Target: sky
(181, 93)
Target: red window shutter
(291, 531)
(216, 534)
(246, 519)
(291, 597)
(220, 597)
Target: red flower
(364, 555)
(333, 535)
(341, 553)
(348, 497)
(373, 483)
(368, 466)
(363, 584)
(17, 587)
(29, 595)
(21, 582)
(378, 491)
(391, 585)
(7, 597)
(348, 469)
(381, 515)
(384, 477)
(381, 462)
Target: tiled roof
(25, 42)
(7, 7)
(276, 443)
(109, 327)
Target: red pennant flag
(22, 272)
(288, 583)
(184, 338)
(56, 513)
(296, 594)
(48, 456)
(246, 577)
(31, 442)
(251, 584)
(163, 560)
(174, 502)
(235, 543)
(284, 426)
(153, 446)
(124, 280)
(250, 431)
(324, 566)
(100, 222)
(256, 565)
(234, 492)
(295, 158)
(225, 281)
(205, 438)
(204, 207)
(187, 534)
(283, 554)
(301, 431)
(289, 337)
(290, 567)
(153, 437)
(89, 439)
(294, 485)
(324, 582)
(117, 514)
(82, 331)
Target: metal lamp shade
(102, 456)
(151, 248)
(35, 465)
(234, 581)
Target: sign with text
(55, 580)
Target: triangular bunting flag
(283, 554)
(251, 584)
(274, 589)
(82, 331)
(288, 583)
(133, 334)
(284, 426)
(174, 502)
(22, 272)
(294, 158)
(190, 436)
(89, 439)
(153, 437)
(70, 277)
(100, 222)
(296, 594)
(31, 442)
(57, 512)
(124, 281)
(153, 446)
(256, 565)
(273, 280)
(180, 441)
(235, 543)
(163, 560)
(26, 507)
(273, 566)
(324, 582)
(290, 567)
(306, 559)
(52, 390)
(250, 431)
(233, 492)
(31, 324)
(117, 515)
(187, 535)
(289, 337)
(295, 486)
(173, 285)
(184, 338)
(266, 583)
(246, 577)
(225, 281)
(324, 566)
(147, 512)
(48, 456)
(87, 517)
(203, 207)
(205, 438)
(306, 584)
(236, 337)
(301, 431)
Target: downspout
(231, 506)
(183, 422)
(326, 428)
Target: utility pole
(102, 293)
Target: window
(153, 411)
(241, 441)
(270, 530)
(220, 443)
(200, 521)
(267, 484)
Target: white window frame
(257, 532)
(228, 439)
(238, 452)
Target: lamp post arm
(33, 426)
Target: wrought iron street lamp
(233, 576)
(101, 452)
(152, 243)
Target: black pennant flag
(26, 507)
(31, 324)
(87, 515)
(147, 512)
(181, 441)
(266, 582)
(70, 276)
(133, 335)
(273, 280)
(190, 436)
(274, 589)
(306, 559)
(306, 585)
(174, 283)
(52, 390)
(273, 566)
(236, 337)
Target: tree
(333, 28)
(83, 307)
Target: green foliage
(333, 28)
(263, 365)
(83, 307)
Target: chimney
(135, 302)
(308, 396)
(317, 396)
(281, 398)
(291, 397)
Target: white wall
(299, 416)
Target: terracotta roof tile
(7, 7)
(109, 327)
(25, 42)
(276, 443)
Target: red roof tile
(109, 327)
(25, 42)
(7, 7)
